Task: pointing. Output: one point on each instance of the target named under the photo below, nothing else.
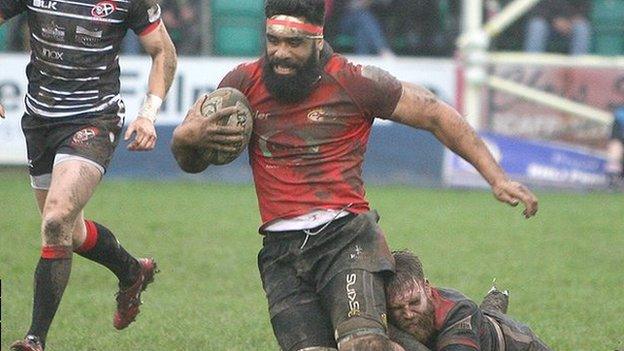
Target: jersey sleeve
(238, 78)
(144, 16)
(11, 8)
(374, 90)
(461, 329)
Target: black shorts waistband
(270, 236)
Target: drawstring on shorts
(310, 233)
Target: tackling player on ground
(444, 319)
(73, 120)
(324, 257)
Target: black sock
(102, 247)
(51, 277)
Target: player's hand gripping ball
(217, 100)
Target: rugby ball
(217, 100)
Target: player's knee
(371, 342)
(57, 229)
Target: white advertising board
(194, 76)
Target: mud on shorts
(329, 288)
(515, 335)
(52, 141)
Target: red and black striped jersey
(459, 323)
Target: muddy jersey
(308, 155)
(74, 66)
(459, 323)
(462, 326)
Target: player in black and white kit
(73, 120)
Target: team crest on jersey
(84, 135)
(319, 115)
(103, 9)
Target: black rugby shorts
(92, 138)
(332, 288)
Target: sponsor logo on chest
(263, 115)
(53, 31)
(53, 54)
(45, 4)
(88, 37)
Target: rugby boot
(495, 300)
(129, 299)
(30, 343)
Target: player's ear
(319, 44)
(427, 287)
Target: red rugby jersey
(308, 155)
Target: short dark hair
(312, 10)
(408, 268)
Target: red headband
(306, 27)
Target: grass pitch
(565, 268)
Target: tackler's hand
(1, 111)
(513, 193)
(144, 135)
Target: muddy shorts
(514, 335)
(329, 287)
(50, 141)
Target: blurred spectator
(16, 34)
(615, 162)
(424, 27)
(181, 17)
(359, 22)
(552, 21)
(3, 39)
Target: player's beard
(294, 87)
(421, 327)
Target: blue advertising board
(533, 162)
(395, 154)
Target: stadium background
(563, 267)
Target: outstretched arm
(419, 108)
(164, 61)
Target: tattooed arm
(419, 108)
